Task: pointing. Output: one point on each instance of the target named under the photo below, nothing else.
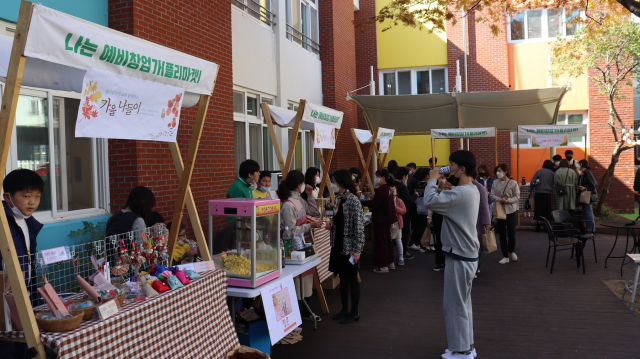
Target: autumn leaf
(95, 86)
(86, 113)
(94, 113)
(170, 103)
(178, 97)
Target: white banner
(552, 136)
(320, 114)
(281, 308)
(384, 145)
(325, 136)
(463, 132)
(118, 106)
(386, 133)
(57, 37)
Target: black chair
(563, 217)
(559, 238)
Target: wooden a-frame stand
(285, 167)
(7, 120)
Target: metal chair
(559, 238)
(562, 217)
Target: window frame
(544, 26)
(414, 78)
(99, 167)
(248, 14)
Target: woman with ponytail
(384, 215)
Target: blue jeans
(587, 212)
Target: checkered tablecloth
(322, 242)
(192, 321)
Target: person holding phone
(347, 241)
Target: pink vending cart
(248, 249)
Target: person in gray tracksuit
(459, 207)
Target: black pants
(420, 225)
(507, 228)
(406, 231)
(349, 284)
(437, 229)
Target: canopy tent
(378, 136)
(53, 50)
(419, 114)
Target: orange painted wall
(531, 160)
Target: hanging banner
(324, 136)
(118, 106)
(386, 133)
(463, 132)
(320, 114)
(552, 136)
(281, 308)
(57, 37)
(384, 145)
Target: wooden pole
(294, 139)
(367, 177)
(371, 148)
(185, 179)
(325, 170)
(191, 206)
(7, 121)
(272, 133)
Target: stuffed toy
(159, 286)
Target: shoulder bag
(562, 190)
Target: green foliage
(606, 214)
(90, 232)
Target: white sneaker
(504, 260)
(449, 355)
(514, 257)
(414, 247)
(448, 352)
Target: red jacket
(382, 207)
(401, 209)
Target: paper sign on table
(119, 106)
(324, 136)
(281, 308)
(204, 266)
(55, 255)
(108, 309)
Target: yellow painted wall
(406, 149)
(409, 47)
(528, 67)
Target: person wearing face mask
(247, 180)
(396, 228)
(485, 179)
(587, 182)
(356, 176)
(556, 162)
(383, 216)
(412, 170)
(506, 191)
(264, 185)
(293, 214)
(573, 164)
(542, 183)
(312, 179)
(566, 176)
(21, 198)
(401, 178)
(334, 185)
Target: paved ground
(520, 311)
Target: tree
(608, 51)
(435, 13)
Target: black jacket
(636, 182)
(587, 180)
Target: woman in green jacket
(566, 176)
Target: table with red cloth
(192, 321)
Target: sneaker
(513, 256)
(431, 249)
(392, 266)
(414, 247)
(423, 250)
(439, 268)
(381, 270)
(450, 355)
(408, 256)
(448, 352)
(400, 262)
(504, 260)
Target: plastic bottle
(282, 261)
(287, 239)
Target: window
(302, 24)
(44, 139)
(257, 9)
(542, 24)
(238, 102)
(252, 105)
(413, 81)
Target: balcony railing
(256, 10)
(303, 40)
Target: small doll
(137, 260)
(119, 268)
(126, 258)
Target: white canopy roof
(312, 114)
(364, 136)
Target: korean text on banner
(118, 106)
(281, 308)
(463, 132)
(57, 37)
(320, 114)
(324, 136)
(386, 133)
(552, 136)
(384, 145)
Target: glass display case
(248, 248)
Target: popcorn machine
(249, 246)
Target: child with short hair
(185, 249)
(21, 198)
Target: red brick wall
(366, 56)
(202, 29)
(487, 70)
(338, 56)
(620, 195)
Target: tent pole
(461, 144)
(272, 133)
(518, 167)
(325, 173)
(496, 144)
(586, 139)
(7, 121)
(294, 139)
(433, 152)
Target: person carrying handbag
(565, 180)
(506, 192)
(588, 183)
